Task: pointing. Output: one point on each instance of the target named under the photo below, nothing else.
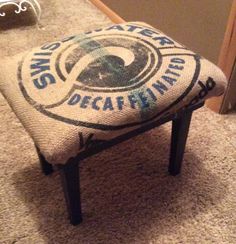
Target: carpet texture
(127, 194)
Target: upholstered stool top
(92, 87)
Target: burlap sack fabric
(93, 87)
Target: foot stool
(85, 93)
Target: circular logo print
(108, 79)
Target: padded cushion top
(95, 86)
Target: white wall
(199, 24)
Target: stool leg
(180, 129)
(46, 167)
(71, 186)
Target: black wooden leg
(180, 128)
(71, 186)
(45, 165)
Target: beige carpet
(127, 194)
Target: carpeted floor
(127, 194)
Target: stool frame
(69, 172)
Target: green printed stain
(99, 52)
(144, 101)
